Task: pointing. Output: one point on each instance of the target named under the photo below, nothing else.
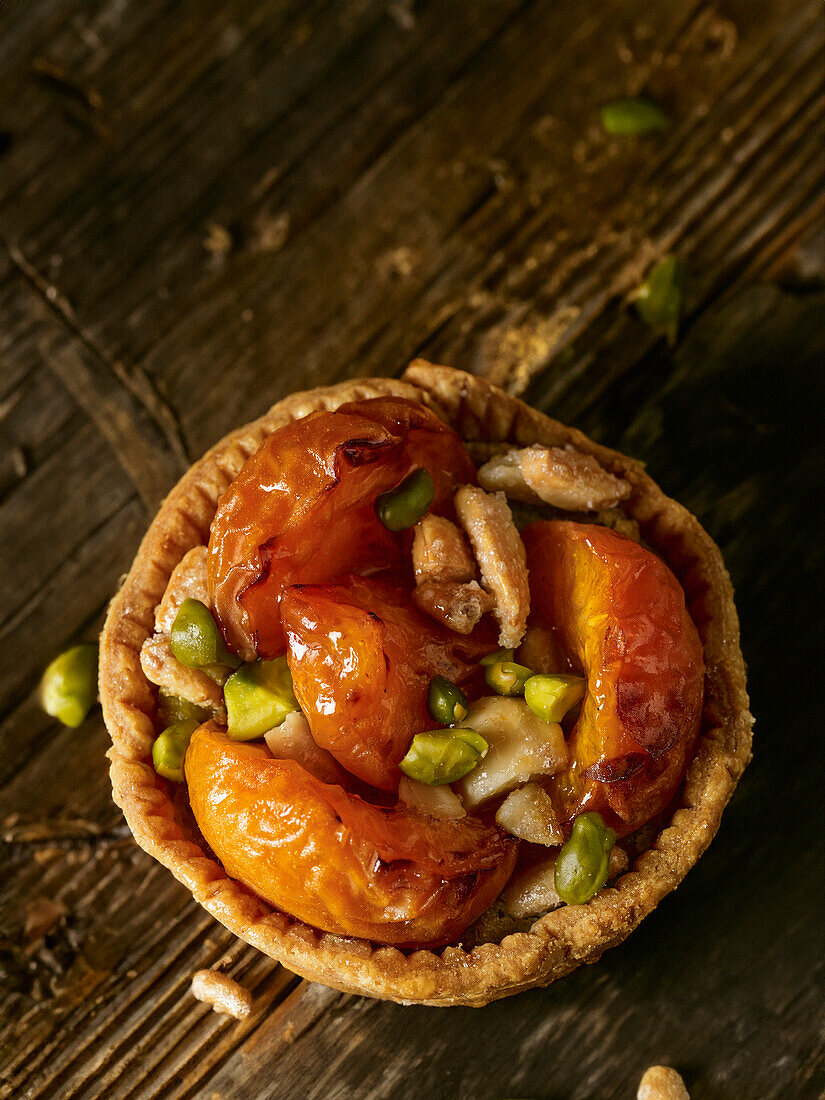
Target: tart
(380, 558)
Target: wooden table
(205, 206)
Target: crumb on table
(662, 1083)
(222, 992)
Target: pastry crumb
(223, 993)
(662, 1083)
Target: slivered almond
(501, 558)
(561, 476)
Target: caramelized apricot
(302, 509)
(333, 860)
(620, 615)
(362, 658)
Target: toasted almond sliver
(292, 740)
(441, 802)
(561, 476)
(500, 554)
(528, 814)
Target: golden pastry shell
(556, 943)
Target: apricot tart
(422, 693)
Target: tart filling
(391, 706)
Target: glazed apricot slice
(362, 658)
(621, 618)
(392, 875)
(302, 509)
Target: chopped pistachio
(196, 640)
(68, 689)
(633, 116)
(583, 863)
(443, 756)
(659, 298)
(258, 697)
(446, 702)
(507, 677)
(169, 749)
(551, 695)
(402, 507)
(497, 657)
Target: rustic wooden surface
(204, 206)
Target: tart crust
(557, 942)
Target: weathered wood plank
(447, 189)
(129, 413)
(43, 523)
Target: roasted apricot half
(302, 509)
(362, 658)
(332, 859)
(620, 616)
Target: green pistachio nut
(507, 677)
(660, 297)
(258, 697)
(497, 657)
(68, 689)
(551, 696)
(169, 749)
(446, 702)
(634, 116)
(583, 862)
(196, 640)
(402, 507)
(174, 709)
(443, 756)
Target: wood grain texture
(204, 207)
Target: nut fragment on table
(662, 1083)
(42, 914)
(223, 993)
(561, 476)
(501, 557)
